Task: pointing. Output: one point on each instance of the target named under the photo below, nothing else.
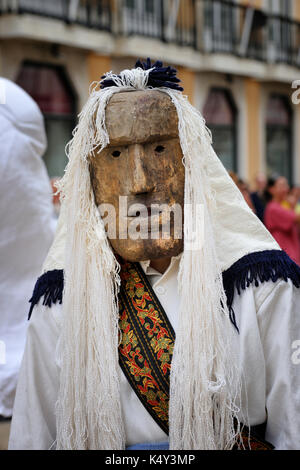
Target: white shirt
(269, 323)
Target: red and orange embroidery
(147, 343)
(146, 349)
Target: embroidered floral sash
(146, 348)
(147, 342)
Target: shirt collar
(149, 271)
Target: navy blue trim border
(258, 267)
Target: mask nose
(141, 181)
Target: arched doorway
(220, 114)
(279, 136)
(49, 87)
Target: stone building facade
(237, 60)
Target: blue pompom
(159, 77)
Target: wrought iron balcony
(209, 26)
(89, 13)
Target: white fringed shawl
(205, 389)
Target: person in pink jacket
(281, 218)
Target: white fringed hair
(205, 389)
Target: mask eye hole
(160, 149)
(116, 153)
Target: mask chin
(142, 250)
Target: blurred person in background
(281, 218)
(258, 196)
(294, 201)
(27, 226)
(294, 198)
(243, 188)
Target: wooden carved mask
(143, 165)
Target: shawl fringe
(50, 286)
(256, 268)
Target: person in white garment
(27, 226)
(102, 368)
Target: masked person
(27, 225)
(102, 368)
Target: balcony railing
(209, 26)
(89, 13)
